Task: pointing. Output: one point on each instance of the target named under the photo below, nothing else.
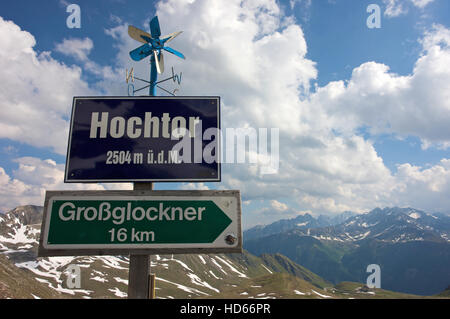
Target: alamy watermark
(374, 19)
(241, 145)
(73, 277)
(193, 144)
(74, 19)
(374, 279)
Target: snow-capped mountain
(177, 276)
(305, 221)
(23, 275)
(388, 224)
(411, 246)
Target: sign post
(153, 46)
(140, 266)
(143, 140)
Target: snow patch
(98, 278)
(182, 287)
(218, 265)
(112, 262)
(415, 215)
(214, 275)
(123, 281)
(320, 295)
(270, 272)
(197, 281)
(118, 293)
(350, 223)
(364, 235)
(182, 264)
(202, 259)
(231, 267)
(21, 235)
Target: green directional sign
(118, 222)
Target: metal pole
(152, 286)
(139, 279)
(153, 76)
(139, 268)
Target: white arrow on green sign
(145, 222)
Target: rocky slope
(23, 275)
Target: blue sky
(380, 147)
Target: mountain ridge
(364, 221)
(178, 276)
(398, 239)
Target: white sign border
(218, 178)
(218, 246)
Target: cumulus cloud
(261, 79)
(252, 56)
(76, 48)
(413, 105)
(35, 176)
(36, 92)
(278, 206)
(264, 76)
(12, 192)
(31, 179)
(255, 58)
(423, 187)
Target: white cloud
(254, 57)
(76, 48)
(278, 206)
(12, 192)
(424, 188)
(263, 77)
(80, 49)
(421, 3)
(34, 177)
(36, 92)
(305, 3)
(416, 104)
(194, 186)
(395, 8)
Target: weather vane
(153, 46)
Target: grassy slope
(20, 284)
(358, 290)
(276, 285)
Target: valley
(250, 275)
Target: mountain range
(268, 275)
(412, 247)
(305, 221)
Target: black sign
(144, 139)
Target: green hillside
(311, 253)
(269, 275)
